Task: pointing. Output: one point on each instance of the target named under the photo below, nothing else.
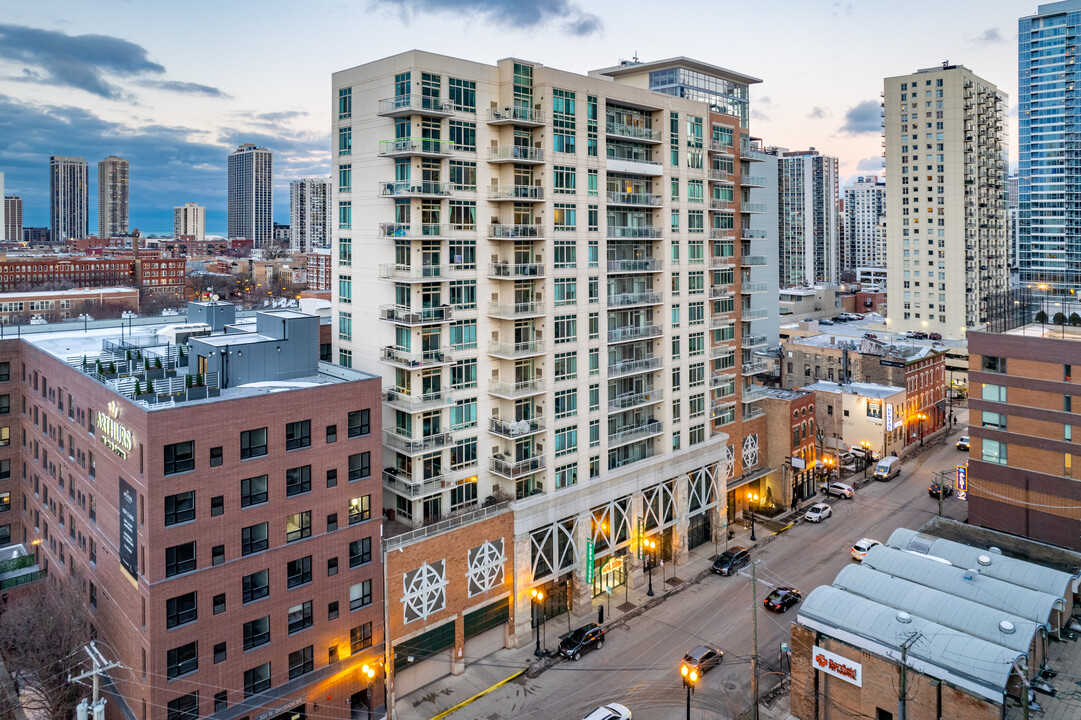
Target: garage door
(431, 659)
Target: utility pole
(904, 675)
(1025, 695)
(100, 666)
(754, 624)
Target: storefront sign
(128, 550)
(889, 417)
(837, 666)
(892, 363)
(275, 711)
(114, 436)
(589, 561)
(641, 538)
(612, 565)
(962, 482)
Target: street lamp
(538, 598)
(690, 677)
(751, 499)
(369, 672)
(652, 547)
(866, 445)
(922, 417)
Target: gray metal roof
(1019, 572)
(936, 606)
(965, 583)
(940, 652)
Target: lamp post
(751, 498)
(690, 677)
(651, 545)
(866, 445)
(922, 417)
(369, 672)
(538, 598)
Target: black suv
(584, 638)
(731, 560)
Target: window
(298, 435)
(566, 366)
(179, 457)
(298, 526)
(567, 475)
(993, 364)
(358, 423)
(463, 494)
(219, 653)
(253, 491)
(566, 440)
(257, 679)
(994, 451)
(299, 572)
(332, 566)
(182, 660)
(360, 637)
(219, 602)
(332, 610)
(360, 466)
(565, 218)
(300, 617)
(332, 522)
(180, 610)
(563, 180)
(360, 509)
(566, 403)
(180, 559)
(332, 434)
(253, 539)
(256, 585)
(360, 595)
(185, 707)
(360, 552)
(995, 393)
(463, 94)
(217, 505)
(217, 555)
(300, 662)
(216, 457)
(566, 329)
(221, 700)
(463, 135)
(179, 508)
(253, 443)
(298, 480)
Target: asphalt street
(639, 664)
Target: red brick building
(151, 274)
(225, 535)
(56, 305)
(790, 444)
(319, 264)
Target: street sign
(889, 417)
(962, 482)
(589, 561)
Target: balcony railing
(627, 401)
(752, 180)
(719, 204)
(639, 265)
(634, 298)
(633, 367)
(413, 403)
(514, 272)
(753, 260)
(414, 189)
(516, 428)
(754, 313)
(515, 232)
(404, 147)
(515, 390)
(720, 379)
(514, 470)
(404, 484)
(626, 435)
(515, 153)
(516, 192)
(635, 132)
(720, 291)
(515, 116)
(640, 453)
(752, 287)
(722, 233)
(755, 367)
(723, 176)
(402, 105)
(422, 273)
(754, 393)
(413, 230)
(721, 261)
(636, 199)
(722, 148)
(415, 446)
(515, 310)
(404, 358)
(633, 231)
(752, 234)
(753, 207)
(634, 332)
(410, 316)
(752, 341)
(511, 351)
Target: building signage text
(114, 436)
(835, 665)
(889, 417)
(962, 482)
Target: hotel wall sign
(114, 436)
(838, 666)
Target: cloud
(839, 9)
(185, 88)
(863, 118)
(77, 61)
(759, 115)
(819, 113)
(517, 14)
(871, 163)
(990, 36)
(764, 100)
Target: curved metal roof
(1019, 572)
(962, 582)
(938, 651)
(951, 611)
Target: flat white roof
(74, 292)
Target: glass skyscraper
(1049, 185)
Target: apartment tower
(556, 310)
(189, 220)
(251, 194)
(13, 218)
(946, 144)
(68, 198)
(112, 197)
(809, 224)
(1048, 221)
(309, 212)
(865, 211)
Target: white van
(888, 468)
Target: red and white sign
(837, 666)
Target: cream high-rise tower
(113, 193)
(946, 144)
(189, 219)
(68, 198)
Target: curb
(481, 694)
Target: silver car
(818, 512)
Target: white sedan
(862, 547)
(818, 512)
(611, 711)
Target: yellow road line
(481, 694)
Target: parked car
(870, 336)
(840, 489)
(935, 336)
(862, 547)
(818, 512)
(935, 490)
(731, 560)
(962, 443)
(584, 639)
(703, 658)
(611, 711)
(825, 321)
(782, 598)
(841, 318)
(888, 468)
(919, 335)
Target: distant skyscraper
(13, 218)
(3, 211)
(112, 197)
(1049, 180)
(251, 194)
(808, 221)
(945, 200)
(1013, 214)
(189, 220)
(309, 207)
(68, 198)
(865, 205)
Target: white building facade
(189, 219)
(251, 194)
(865, 212)
(809, 223)
(309, 212)
(69, 198)
(113, 192)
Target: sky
(175, 88)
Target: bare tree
(275, 250)
(42, 631)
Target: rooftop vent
(984, 560)
(903, 617)
(1006, 627)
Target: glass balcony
(415, 273)
(634, 298)
(754, 155)
(633, 231)
(515, 390)
(406, 105)
(414, 147)
(632, 132)
(523, 116)
(414, 360)
(753, 207)
(722, 233)
(755, 367)
(518, 154)
(720, 291)
(632, 454)
(720, 262)
(623, 368)
(411, 403)
(756, 181)
(752, 234)
(753, 341)
(629, 434)
(634, 199)
(722, 176)
(519, 193)
(401, 315)
(634, 332)
(504, 467)
(513, 351)
(516, 428)
(402, 483)
(407, 189)
(413, 230)
(721, 409)
(721, 148)
(720, 350)
(521, 271)
(750, 413)
(640, 265)
(754, 313)
(511, 311)
(753, 260)
(416, 446)
(629, 401)
(515, 233)
(747, 288)
(719, 204)
(720, 379)
(754, 393)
